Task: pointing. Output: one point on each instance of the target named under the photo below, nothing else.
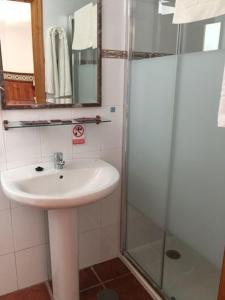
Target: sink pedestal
(63, 233)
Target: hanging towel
(187, 11)
(58, 77)
(221, 113)
(94, 26)
(83, 32)
(49, 64)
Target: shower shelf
(49, 123)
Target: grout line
(118, 277)
(91, 287)
(14, 248)
(31, 247)
(99, 279)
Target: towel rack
(55, 122)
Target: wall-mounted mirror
(50, 53)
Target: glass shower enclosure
(174, 230)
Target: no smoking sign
(78, 134)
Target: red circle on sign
(78, 131)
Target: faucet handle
(58, 160)
(58, 156)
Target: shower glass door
(153, 65)
(175, 160)
(195, 237)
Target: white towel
(85, 28)
(94, 26)
(49, 75)
(187, 11)
(221, 113)
(65, 88)
(58, 77)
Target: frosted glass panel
(151, 116)
(176, 153)
(197, 206)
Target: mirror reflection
(69, 36)
(157, 34)
(17, 52)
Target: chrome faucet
(58, 160)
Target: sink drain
(107, 295)
(173, 254)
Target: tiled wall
(24, 254)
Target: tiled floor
(112, 274)
(38, 292)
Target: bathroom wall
(24, 254)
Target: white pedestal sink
(61, 191)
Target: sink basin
(79, 183)
(61, 191)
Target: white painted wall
(56, 12)
(16, 38)
(24, 256)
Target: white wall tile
(89, 217)
(2, 144)
(4, 201)
(22, 144)
(20, 115)
(89, 154)
(56, 113)
(56, 140)
(113, 75)
(29, 227)
(93, 139)
(110, 209)
(8, 279)
(114, 157)
(6, 238)
(89, 248)
(85, 112)
(112, 132)
(110, 242)
(32, 266)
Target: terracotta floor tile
(128, 288)
(90, 294)
(111, 269)
(87, 279)
(38, 292)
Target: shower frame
(129, 43)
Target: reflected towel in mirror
(58, 76)
(187, 11)
(85, 28)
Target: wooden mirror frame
(39, 61)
